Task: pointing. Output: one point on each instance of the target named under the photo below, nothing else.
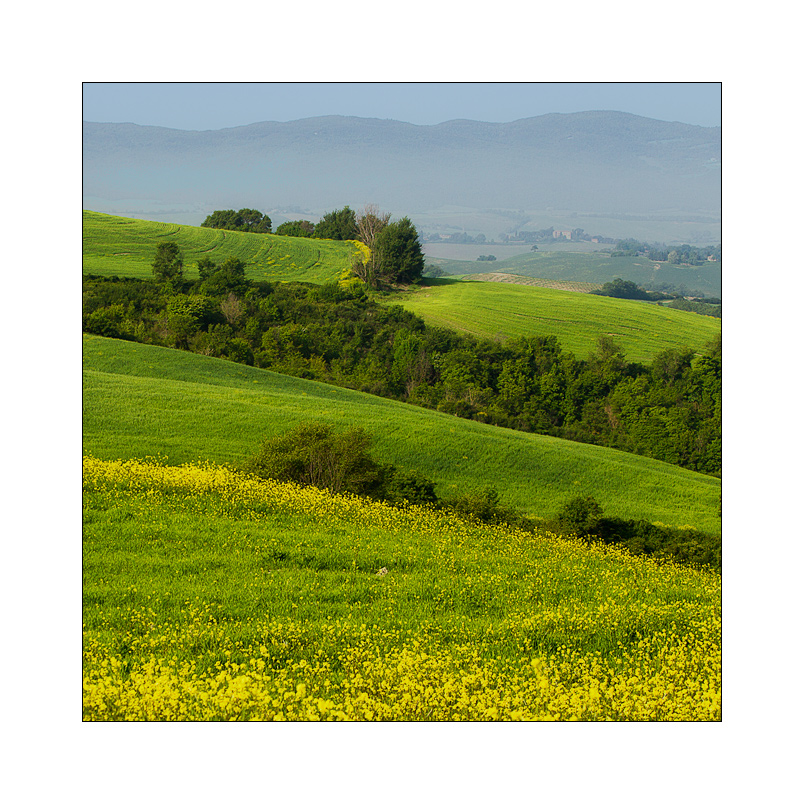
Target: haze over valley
(609, 173)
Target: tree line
(669, 409)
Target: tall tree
(399, 252)
(168, 264)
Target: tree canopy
(341, 224)
(244, 220)
(399, 252)
(296, 229)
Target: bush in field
(484, 506)
(583, 516)
(314, 454)
(580, 515)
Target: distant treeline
(675, 255)
(624, 289)
(669, 410)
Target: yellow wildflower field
(212, 595)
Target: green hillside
(499, 309)
(143, 400)
(596, 267)
(210, 595)
(126, 246)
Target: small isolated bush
(484, 506)
(580, 516)
(315, 454)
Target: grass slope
(213, 596)
(596, 267)
(126, 247)
(494, 309)
(143, 400)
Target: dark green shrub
(314, 454)
(580, 516)
(411, 487)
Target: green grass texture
(141, 400)
(500, 309)
(126, 247)
(595, 267)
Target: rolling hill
(145, 401)
(498, 309)
(126, 246)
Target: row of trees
(668, 410)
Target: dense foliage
(669, 410)
(244, 220)
(708, 307)
(340, 224)
(625, 289)
(300, 228)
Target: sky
(205, 106)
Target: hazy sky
(201, 106)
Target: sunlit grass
(578, 320)
(211, 595)
(144, 400)
(126, 247)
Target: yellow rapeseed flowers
(521, 626)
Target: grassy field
(143, 400)
(500, 309)
(208, 595)
(596, 268)
(126, 247)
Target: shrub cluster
(583, 516)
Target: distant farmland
(596, 268)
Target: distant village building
(562, 234)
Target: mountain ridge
(585, 162)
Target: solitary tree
(168, 264)
(399, 252)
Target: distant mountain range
(596, 165)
